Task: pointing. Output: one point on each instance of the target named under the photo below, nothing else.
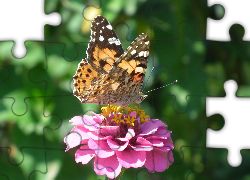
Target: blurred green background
(36, 91)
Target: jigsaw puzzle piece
(73, 26)
(59, 72)
(56, 158)
(227, 60)
(21, 165)
(216, 166)
(188, 129)
(23, 138)
(16, 83)
(21, 23)
(188, 160)
(234, 109)
(189, 73)
(65, 107)
(235, 12)
(166, 20)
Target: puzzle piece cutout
(22, 25)
(235, 112)
(235, 12)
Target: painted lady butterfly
(109, 75)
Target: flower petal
(109, 166)
(162, 132)
(130, 158)
(142, 145)
(152, 126)
(101, 148)
(84, 154)
(155, 141)
(158, 160)
(148, 128)
(130, 134)
(75, 138)
(109, 130)
(119, 144)
(76, 120)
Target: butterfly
(109, 75)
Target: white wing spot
(138, 69)
(97, 23)
(114, 40)
(109, 27)
(141, 53)
(100, 31)
(133, 52)
(147, 42)
(101, 38)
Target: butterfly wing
(123, 82)
(104, 47)
(103, 50)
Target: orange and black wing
(104, 47)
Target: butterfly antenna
(162, 86)
(148, 78)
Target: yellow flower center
(120, 111)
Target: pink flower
(116, 140)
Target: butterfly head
(141, 97)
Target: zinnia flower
(117, 140)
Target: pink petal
(148, 128)
(109, 130)
(130, 134)
(90, 122)
(142, 145)
(76, 120)
(156, 141)
(84, 154)
(96, 135)
(162, 132)
(152, 126)
(168, 143)
(109, 166)
(158, 161)
(133, 114)
(101, 148)
(98, 118)
(158, 122)
(119, 145)
(130, 158)
(75, 138)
